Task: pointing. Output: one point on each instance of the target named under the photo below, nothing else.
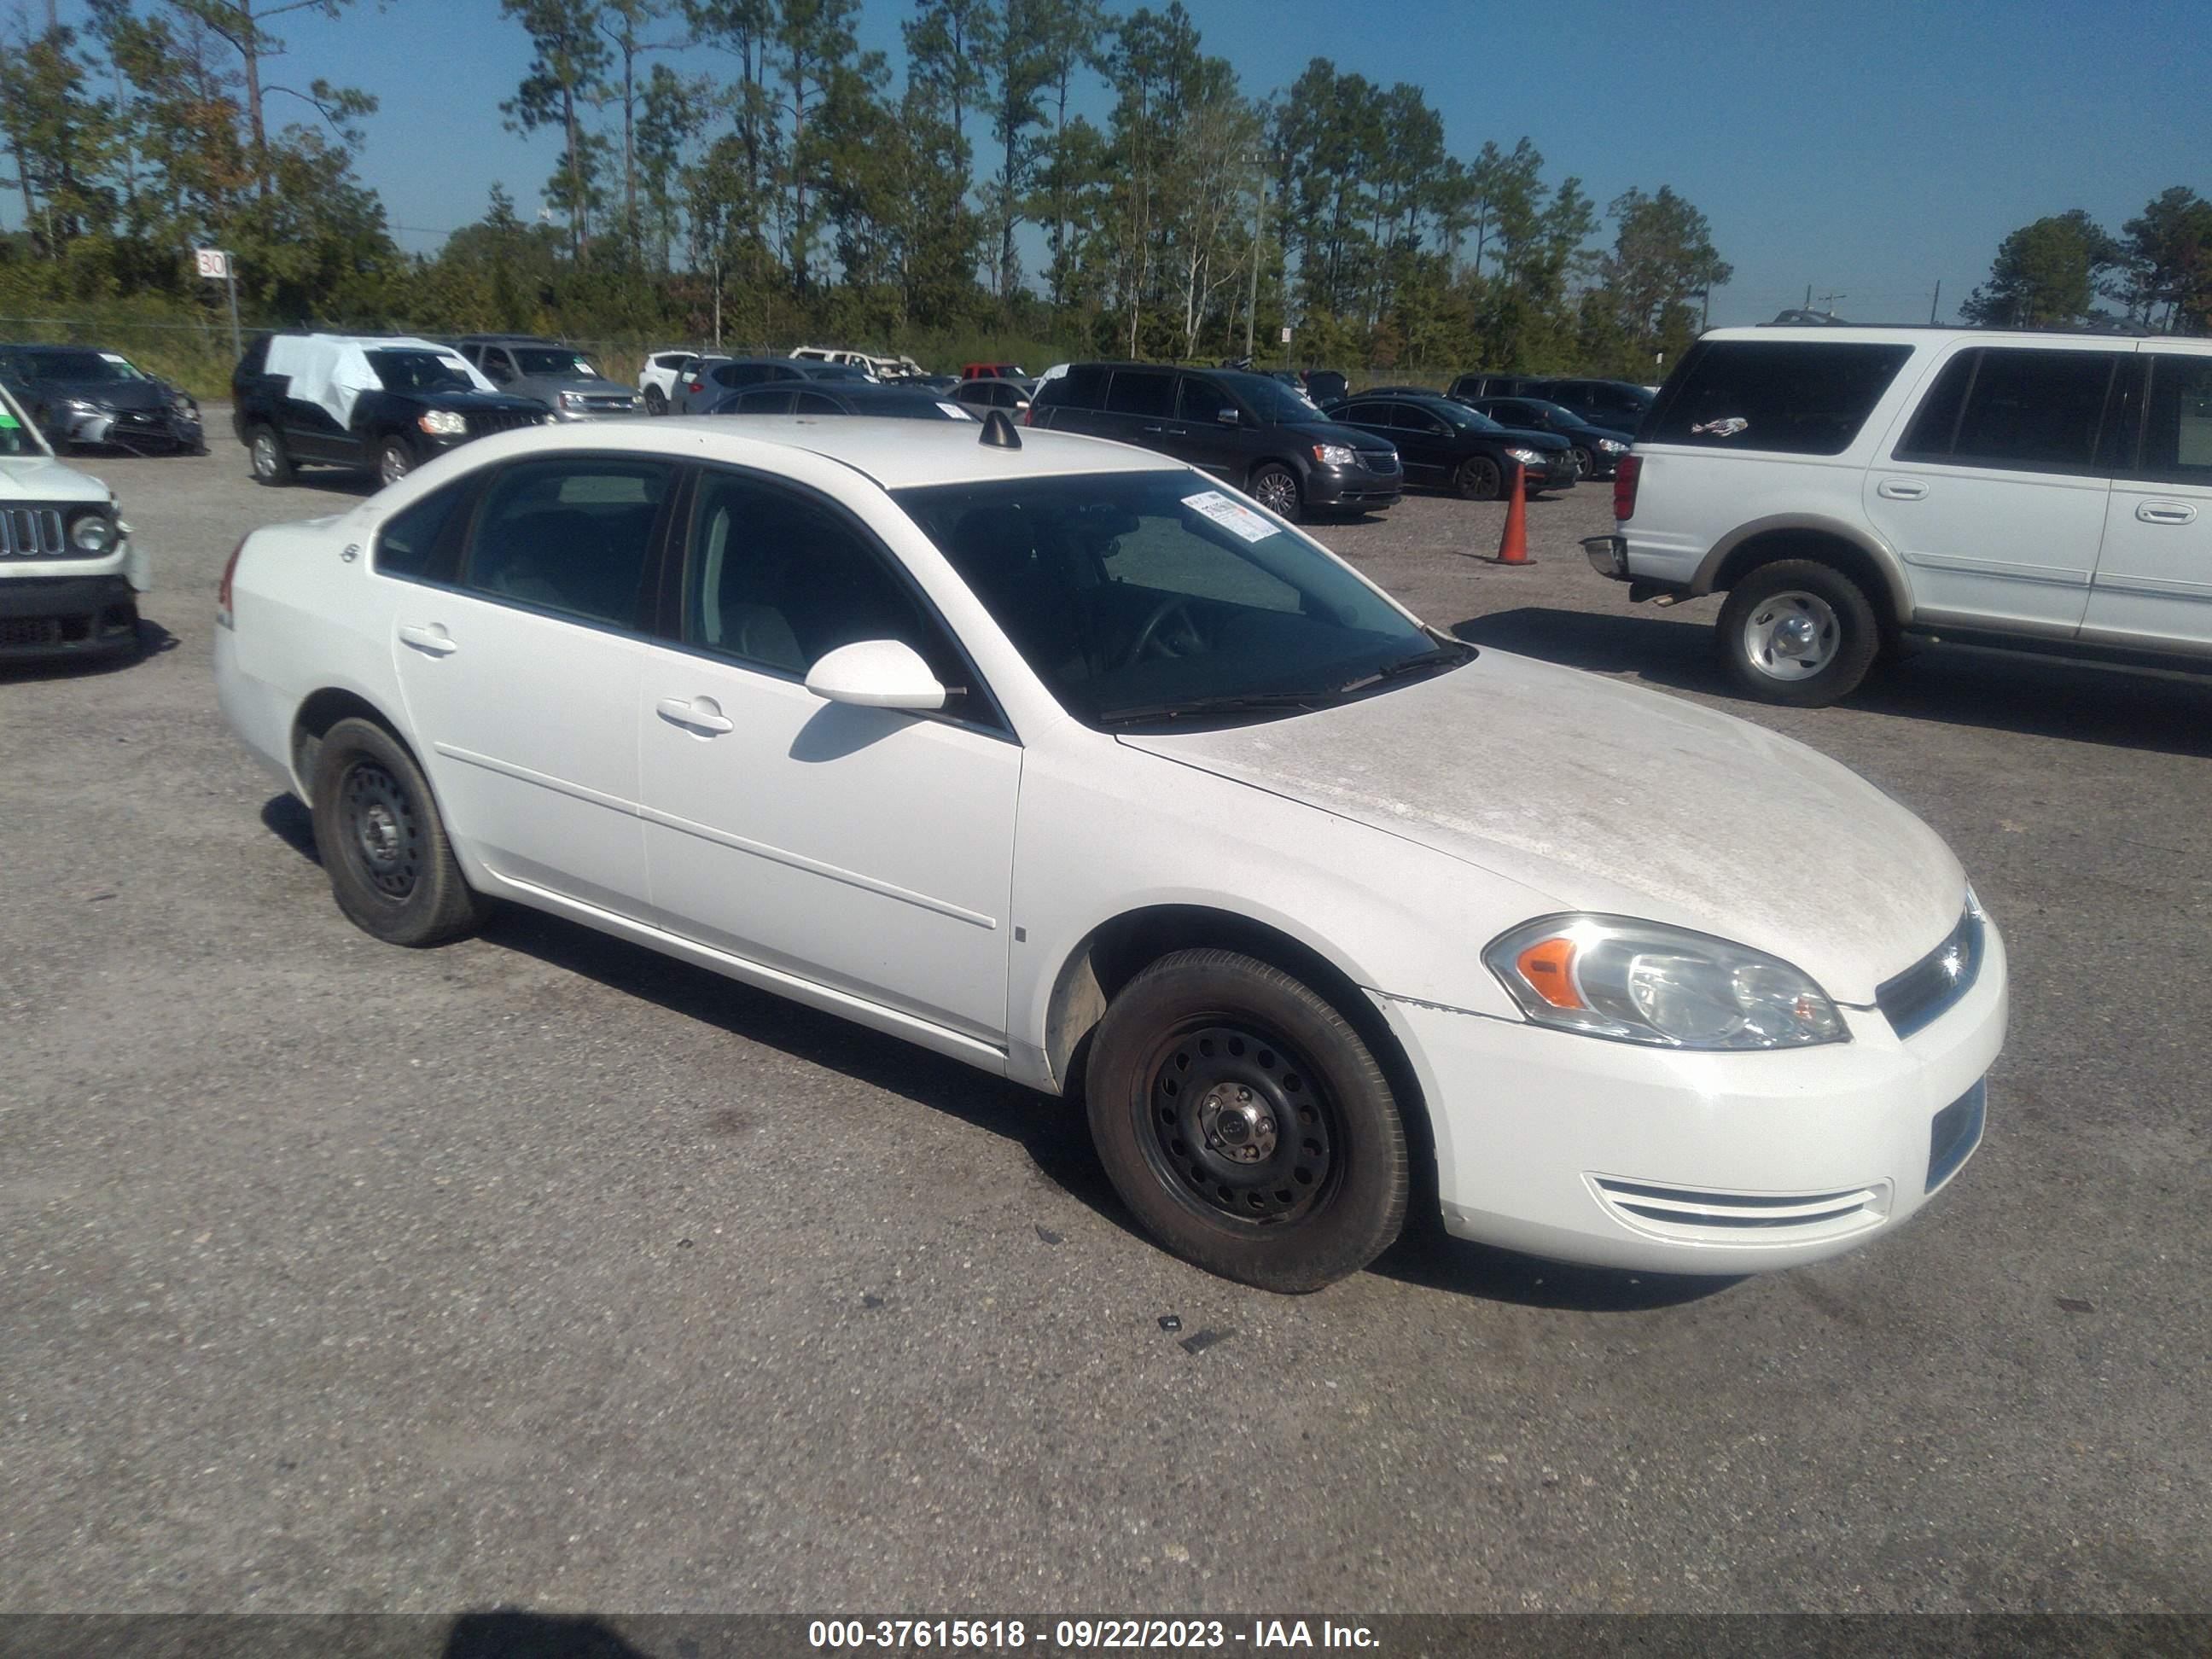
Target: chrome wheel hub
(1792, 636)
(1237, 1124)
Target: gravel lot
(542, 1271)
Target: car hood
(43, 478)
(1325, 431)
(1608, 798)
(464, 401)
(115, 394)
(598, 388)
(1547, 443)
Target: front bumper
(1354, 487)
(163, 431)
(1616, 1155)
(1557, 473)
(66, 615)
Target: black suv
(1488, 385)
(382, 402)
(1252, 431)
(1617, 405)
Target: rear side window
(570, 536)
(1797, 397)
(1083, 387)
(1140, 391)
(2007, 407)
(2178, 427)
(420, 541)
(766, 400)
(817, 402)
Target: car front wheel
(1276, 489)
(394, 461)
(382, 843)
(1585, 463)
(265, 453)
(1799, 633)
(1246, 1124)
(1480, 479)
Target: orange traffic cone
(1513, 545)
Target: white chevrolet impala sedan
(1062, 759)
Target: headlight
(572, 400)
(183, 404)
(1642, 982)
(1527, 456)
(444, 422)
(1612, 445)
(1335, 454)
(81, 405)
(93, 533)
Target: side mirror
(876, 674)
(1227, 417)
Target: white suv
(1847, 487)
(69, 573)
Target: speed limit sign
(213, 263)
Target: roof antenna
(999, 431)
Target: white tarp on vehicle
(333, 369)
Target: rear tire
(1798, 633)
(1245, 1123)
(264, 454)
(656, 401)
(382, 843)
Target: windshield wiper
(1200, 707)
(1404, 665)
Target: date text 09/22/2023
(1084, 1635)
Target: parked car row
(70, 573)
(82, 395)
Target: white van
(1849, 486)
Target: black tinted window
(1140, 391)
(1934, 425)
(1202, 400)
(819, 402)
(1083, 387)
(779, 578)
(1363, 414)
(2178, 434)
(416, 542)
(570, 536)
(2034, 408)
(1798, 397)
(763, 400)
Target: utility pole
(1934, 300)
(1808, 296)
(1828, 301)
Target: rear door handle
(1151, 428)
(432, 641)
(700, 715)
(1902, 489)
(2166, 513)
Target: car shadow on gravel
(1428, 1256)
(154, 640)
(1951, 684)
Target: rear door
(1994, 493)
(1140, 406)
(520, 674)
(2153, 580)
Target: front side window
(417, 371)
(765, 400)
(1146, 596)
(2178, 432)
(571, 536)
(778, 579)
(555, 362)
(817, 403)
(1796, 397)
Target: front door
(1995, 494)
(2153, 582)
(1202, 437)
(521, 678)
(867, 849)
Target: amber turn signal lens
(1548, 966)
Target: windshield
(417, 371)
(80, 366)
(1271, 400)
(1459, 415)
(1146, 597)
(548, 361)
(1555, 412)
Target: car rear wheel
(1276, 489)
(1480, 479)
(1245, 1123)
(1799, 633)
(394, 461)
(264, 453)
(382, 843)
(656, 401)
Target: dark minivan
(1248, 429)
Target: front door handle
(1901, 489)
(700, 715)
(432, 641)
(1151, 428)
(2166, 513)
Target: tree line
(2053, 272)
(743, 168)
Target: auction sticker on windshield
(1229, 515)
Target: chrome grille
(1926, 991)
(482, 422)
(1385, 464)
(30, 533)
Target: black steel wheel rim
(1238, 1124)
(1277, 493)
(382, 832)
(1487, 481)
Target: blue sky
(1867, 150)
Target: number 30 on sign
(212, 262)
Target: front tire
(1245, 1123)
(1480, 479)
(382, 843)
(394, 461)
(264, 453)
(1276, 487)
(1585, 462)
(1798, 633)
